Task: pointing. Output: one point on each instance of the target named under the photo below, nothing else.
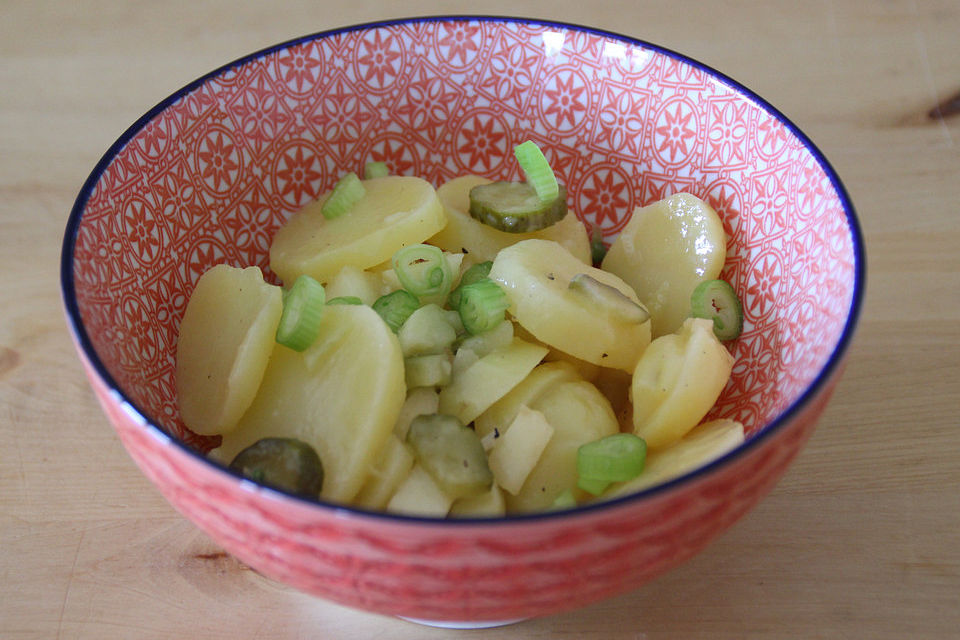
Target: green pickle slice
(451, 453)
(515, 207)
(282, 463)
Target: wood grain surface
(860, 540)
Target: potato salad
(465, 351)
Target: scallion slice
(302, 312)
(537, 170)
(716, 300)
(615, 458)
(375, 170)
(423, 271)
(396, 307)
(482, 306)
(475, 273)
(347, 192)
(345, 300)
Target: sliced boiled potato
(578, 414)
(226, 337)
(517, 451)
(482, 242)
(420, 495)
(677, 381)
(501, 413)
(420, 401)
(666, 250)
(536, 276)
(489, 504)
(489, 379)
(342, 396)
(702, 445)
(389, 470)
(355, 282)
(396, 211)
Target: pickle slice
(451, 453)
(282, 463)
(515, 207)
(609, 298)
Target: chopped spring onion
(598, 250)
(302, 311)
(482, 306)
(473, 274)
(615, 458)
(537, 170)
(423, 271)
(347, 192)
(716, 300)
(345, 300)
(396, 307)
(564, 500)
(375, 170)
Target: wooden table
(860, 540)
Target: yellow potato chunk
(387, 472)
(482, 242)
(342, 396)
(516, 452)
(666, 250)
(396, 211)
(677, 381)
(226, 336)
(578, 414)
(702, 445)
(488, 504)
(536, 276)
(420, 495)
(501, 413)
(489, 379)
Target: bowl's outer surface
(209, 175)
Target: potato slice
(482, 242)
(578, 414)
(342, 396)
(489, 504)
(516, 452)
(666, 250)
(388, 471)
(489, 379)
(226, 336)
(702, 445)
(501, 413)
(536, 276)
(396, 211)
(420, 495)
(677, 381)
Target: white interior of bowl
(209, 175)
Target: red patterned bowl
(209, 174)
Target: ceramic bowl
(209, 174)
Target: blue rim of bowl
(813, 389)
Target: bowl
(209, 174)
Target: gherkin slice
(515, 207)
(451, 453)
(282, 463)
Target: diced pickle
(282, 463)
(451, 453)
